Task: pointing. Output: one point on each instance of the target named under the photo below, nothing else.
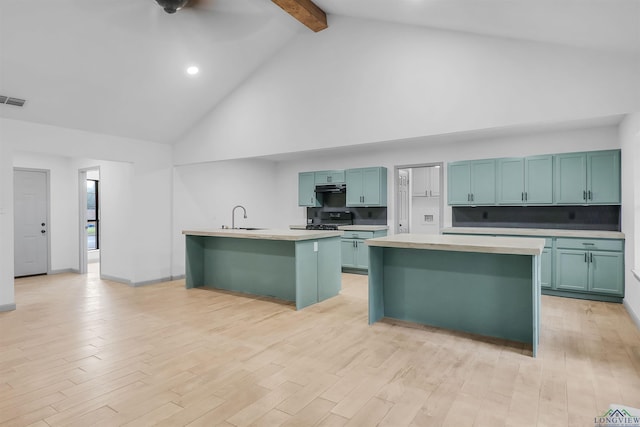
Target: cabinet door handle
(585, 257)
(522, 196)
(468, 197)
(472, 197)
(584, 195)
(526, 196)
(589, 195)
(591, 257)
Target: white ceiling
(118, 67)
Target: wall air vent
(11, 101)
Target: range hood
(331, 188)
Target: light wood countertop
(539, 232)
(484, 244)
(267, 234)
(349, 227)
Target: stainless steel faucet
(233, 215)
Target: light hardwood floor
(84, 352)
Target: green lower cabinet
(606, 272)
(597, 272)
(348, 257)
(583, 268)
(355, 254)
(546, 269)
(572, 270)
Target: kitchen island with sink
(482, 285)
(300, 266)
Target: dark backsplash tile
(606, 217)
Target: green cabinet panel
(603, 177)
(366, 186)
(348, 253)
(546, 268)
(483, 182)
(458, 183)
(329, 271)
(588, 178)
(510, 181)
(525, 181)
(471, 183)
(572, 270)
(355, 254)
(330, 177)
(362, 254)
(606, 272)
(571, 176)
(538, 180)
(307, 190)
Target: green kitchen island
(301, 266)
(482, 285)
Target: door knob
(43, 224)
(42, 231)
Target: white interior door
(31, 228)
(403, 201)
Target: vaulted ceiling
(118, 67)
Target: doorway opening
(90, 230)
(419, 202)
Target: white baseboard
(116, 279)
(150, 282)
(64, 270)
(632, 314)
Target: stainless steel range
(332, 220)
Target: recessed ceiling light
(193, 70)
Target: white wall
(7, 295)
(205, 194)
(143, 195)
(586, 139)
(364, 81)
(630, 144)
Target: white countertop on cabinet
(538, 232)
(485, 244)
(266, 234)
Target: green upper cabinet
(307, 190)
(525, 181)
(366, 186)
(587, 178)
(538, 180)
(330, 177)
(603, 177)
(471, 182)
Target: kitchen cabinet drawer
(329, 177)
(590, 244)
(357, 235)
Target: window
(93, 229)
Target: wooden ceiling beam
(306, 12)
